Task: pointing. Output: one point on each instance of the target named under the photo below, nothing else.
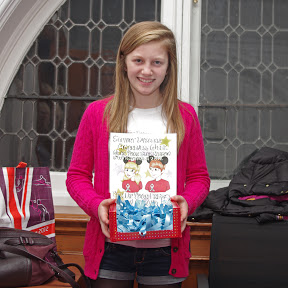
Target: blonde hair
(118, 108)
(134, 166)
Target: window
(243, 103)
(70, 64)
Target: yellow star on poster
(147, 173)
(120, 193)
(165, 141)
(122, 150)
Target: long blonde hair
(134, 166)
(118, 108)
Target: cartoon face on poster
(143, 167)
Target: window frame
(20, 23)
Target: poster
(143, 167)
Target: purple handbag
(30, 259)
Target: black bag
(30, 259)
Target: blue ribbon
(142, 218)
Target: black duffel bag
(30, 259)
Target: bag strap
(21, 165)
(57, 259)
(65, 266)
(58, 270)
(27, 240)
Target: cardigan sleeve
(197, 181)
(79, 177)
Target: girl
(132, 179)
(157, 167)
(145, 101)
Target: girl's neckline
(146, 110)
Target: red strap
(22, 165)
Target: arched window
(69, 65)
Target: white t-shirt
(147, 121)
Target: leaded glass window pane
(244, 72)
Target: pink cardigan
(91, 154)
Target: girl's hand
(183, 210)
(103, 215)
